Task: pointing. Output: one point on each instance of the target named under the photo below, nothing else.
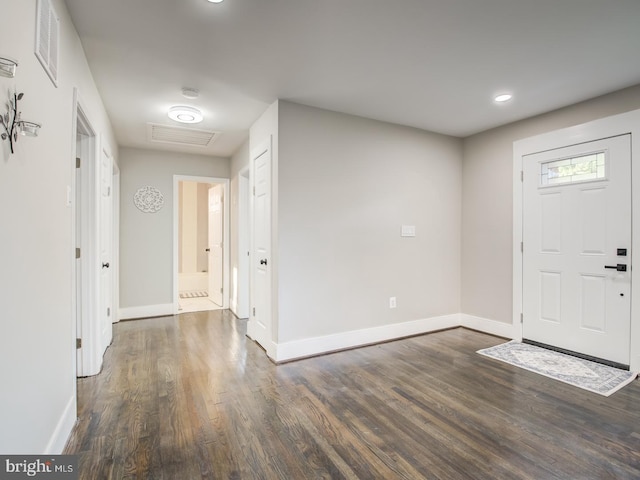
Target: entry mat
(581, 373)
(193, 294)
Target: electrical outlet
(392, 302)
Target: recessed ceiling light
(184, 114)
(215, 1)
(505, 97)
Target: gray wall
(487, 201)
(346, 185)
(146, 239)
(37, 352)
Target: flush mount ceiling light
(184, 114)
(214, 1)
(503, 97)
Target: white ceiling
(430, 64)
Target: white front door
(576, 247)
(215, 243)
(105, 248)
(259, 327)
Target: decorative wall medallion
(148, 199)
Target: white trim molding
(63, 429)
(486, 325)
(307, 347)
(146, 311)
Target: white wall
(346, 186)
(146, 239)
(487, 202)
(37, 351)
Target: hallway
(190, 396)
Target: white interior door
(260, 320)
(105, 249)
(576, 247)
(215, 243)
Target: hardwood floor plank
(191, 397)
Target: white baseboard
(63, 429)
(486, 325)
(146, 311)
(355, 338)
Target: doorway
(578, 231)
(577, 239)
(201, 218)
(94, 233)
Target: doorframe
(115, 247)
(242, 280)
(625, 123)
(225, 235)
(89, 357)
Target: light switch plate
(408, 231)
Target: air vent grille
(179, 135)
(47, 38)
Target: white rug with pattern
(193, 294)
(591, 376)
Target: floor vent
(179, 135)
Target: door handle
(207, 249)
(620, 267)
(105, 265)
(263, 261)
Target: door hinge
(78, 343)
(522, 175)
(78, 162)
(108, 312)
(254, 311)
(77, 253)
(522, 318)
(254, 191)
(221, 289)
(522, 247)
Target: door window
(583, 168)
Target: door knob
(105, 265)
(263, 261)
(620, 267)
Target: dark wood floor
(190, 397)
